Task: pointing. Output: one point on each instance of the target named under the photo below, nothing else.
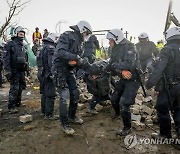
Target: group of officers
(61, 57)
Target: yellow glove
(126, 74)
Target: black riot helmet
(98, 67)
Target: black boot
(126, 117)
(123, 132)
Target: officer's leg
(74, 97)
(60, 81)
(42, 92)
(43, 100)
(116, 97)
(64, 103)
(18, 100)
(164, 119)
(22, 85)
(127, 99)
(14, 90)
(50, 97)
(176, 115)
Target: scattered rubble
(26, 118)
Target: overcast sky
(134, 16)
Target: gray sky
(135, 16)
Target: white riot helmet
(172, 33)
(54, 37)
(84, 26)
(115, 34)
(143, 35)
(18, 29)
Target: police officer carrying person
(48, 87)
(15, 60)
(123, 62)
(146, 49)
(67, 57)
(90, 47)
(166, 78)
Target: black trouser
(17, 84)
(162, 106)
(48, 97)
(69, 94)
(123, 97)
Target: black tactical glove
(8, 76)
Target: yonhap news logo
(131, 141)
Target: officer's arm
(50, 57)
(158, 69)
(128, 61)
(7, 57)
(62, 49)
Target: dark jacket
(47, 56)
(124, 57)
(15, 56)
(68, 47)
(168, 63)
(91, 45)
(146, 49)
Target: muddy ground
(95, 136)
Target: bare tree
(15, 7)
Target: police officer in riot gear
(98, 84)
(15, 61)
(67, 57)
(90, 47)
(47, 88)
(166, 78)
(123, 62)
(146, 50)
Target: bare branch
(8, 3)
(14, 9)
